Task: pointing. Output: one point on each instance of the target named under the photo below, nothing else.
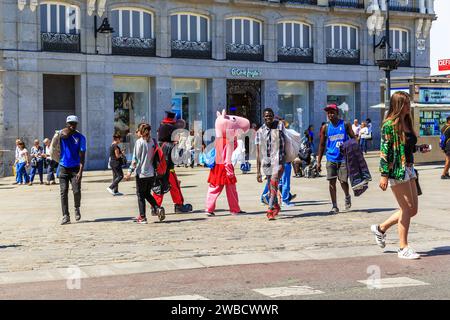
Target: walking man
(73, 151)
(51, 164)
(270, 152)
(446, 148)
(332, 136)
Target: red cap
(331, 107)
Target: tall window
(341, 37)
(132, 23)
(244, 31)
(399, 40)
(294, 35)
(60, 18)
(190, 27)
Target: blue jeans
(363, 145)
(51, 168)
(22, 173)
(284, 185)
(39, 169)
(17, 172)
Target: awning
(416, 105)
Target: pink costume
(228, 127)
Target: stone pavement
(33, 246)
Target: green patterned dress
(392, 153)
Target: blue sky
(440, 35)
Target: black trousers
(144, 190)
(66, 176)
(117, 176)
(51, 168)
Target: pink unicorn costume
(228, 127)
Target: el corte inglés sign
(245, 72)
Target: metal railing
(245, 52)
(395, 5)
(310, 2)
(403, 58)
(289, 54)
(133, 47)
(191, 49)
(343, 56)
(60, 42)
(347, 4)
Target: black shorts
(337, 170)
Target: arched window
(341, 37)
(190, 27)
(294, 35)
(399, 39)
(244, 31)
(59, 18)
(132, 23)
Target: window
(190, 27)
(60, 18)
(399, 40)
(244, 31)
(132, 23)
(294, 35)
(341, 37)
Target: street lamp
(375, 26)
(104, 28)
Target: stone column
(218, 37)
(163, 31)
(318, 101)
(218, 99)
(319, 44)
(269, 37)
(161, 99)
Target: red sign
(444, 65)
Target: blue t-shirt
(70, 150)
(336, 135)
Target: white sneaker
(408, 253)
(118, 194)
(110, 191)
(380, 237)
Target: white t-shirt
(23, 155)
(356, 129)
(364, 132)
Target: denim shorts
(409, 175)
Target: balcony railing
(133, 47)
(289, 54)
(395, 5)
(191, 49)
(246, 52)
(404, 58)
(343, 56)
(60, 42)
(310, 2)
(346, 4)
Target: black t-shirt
(165, 132)
(410, 146)
(112, 152)
(446, 132)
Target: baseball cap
(331, 107)
(72, 119)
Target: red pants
(175, 191)
(214, 193)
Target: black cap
(170, 114)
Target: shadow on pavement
(439, 251)
(180, 221)
(375, 210)
(119, 219)
(307, 215)
(10, 246)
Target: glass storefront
(431, 122)
(131, 107)
(189, 102)
(342, 94)
(293, 104)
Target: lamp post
(104, 28)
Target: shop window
(189, 102)
(343, 95)
(293, 104)
(431, 122)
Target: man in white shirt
(51, 164)
(356, 127)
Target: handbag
(419, 189)
(123, 160)
(34, 163)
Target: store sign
(444, 65)
(434, 95)
(245, 72)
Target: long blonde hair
(398, 101)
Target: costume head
(230, 126)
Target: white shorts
(409, 175)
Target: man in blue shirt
(332, 136)
(73, 150)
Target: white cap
(72, 119)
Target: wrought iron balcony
(289, 54)
(346, 4)
(245, 52)
(395, 5)
(343, 56)
(310, 2)
(404, 58)
(191, 49)
(133, 47)
(60, 42)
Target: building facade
(194, 57)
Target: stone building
(194, 57)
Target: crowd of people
(278, 150)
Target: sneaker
(287, 204)
(334, 210)
(141, 220)
(110, 191)
(153, 211)
(161, 213)
(408, 253)
(30, 183)
(182, 208)
(380, 237)
(445, 177)
(348, 202)
(265, 199)
(14, 183)
(293, 196)
(118, 194)
(210, 214)
(270, 215)
(77, 214)
(237, 213)
(65, 220)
